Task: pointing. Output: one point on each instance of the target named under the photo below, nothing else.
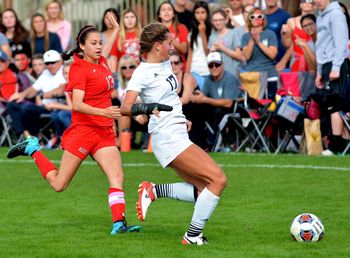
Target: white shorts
(169, 142)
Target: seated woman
(259, 48)
(126, 67)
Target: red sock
(43, 163)
(117, 203)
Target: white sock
(178, 191)
(204, 207)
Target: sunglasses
(175, 62)
(50, 63)
(212, 65)
(307, 1)
(128, 67)
(256, 16)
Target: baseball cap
(51, 56)
(214, 57)
(3, 56)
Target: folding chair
(298, 85)
(346, 121)
(251, 115)
(7, 132)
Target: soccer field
(263, 195)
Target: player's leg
(196, 167)
(58, 179)
(108, 158)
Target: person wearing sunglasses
(259, 47)
(220, 90)
(127, 66)
(290, 33)
(332, 67)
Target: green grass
(263, 195)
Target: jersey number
(172, 81)
(110, 82)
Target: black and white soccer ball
(307, 227)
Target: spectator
(347, 17)
(127, 66)
(8, 80)
(220, 90)
(293, 31)
(237, 18)
(183, 15)
(308, 23)
(61, 112)
(198, 43)
(332, 67)
(26, 115)
(222, 40)
(260, 47)
(276, 17)
(128, 40)
(5, 46)
(38, 65)
(14, 31)
(23, 70)
(57, 24)
(106, 32)
(178, 31)
(41, 39)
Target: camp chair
(6, 127)
(289, 113)
(346, 121)
(250, 115)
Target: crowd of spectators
(214, 43)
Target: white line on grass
(222, 165)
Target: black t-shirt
(185, 18)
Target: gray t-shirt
(226, 88)
(3, 39)
(231, 65)
(259, 61)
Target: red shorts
(82, 140)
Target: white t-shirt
(199, 58)
(156, 83)
(48, 81)
(239, 19)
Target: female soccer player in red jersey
(203, 180)
(91, 132)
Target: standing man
(183, 15)
(276, 17)
(332, 66)
(237, 18)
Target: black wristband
(147, 109)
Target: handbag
(311, 143)
(312, 109)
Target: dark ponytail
(81, 38)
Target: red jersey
(97, 82)
(8, 84)
(130, 46)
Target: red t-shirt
(8, 84)
(97, 82)
(130, 46)
(181, 36)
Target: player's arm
(80, 106)
(130, 108)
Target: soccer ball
(307, 227)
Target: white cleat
(198, 240)
(146, 197)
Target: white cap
(214, 57)
(51, 56)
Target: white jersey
(156, 83)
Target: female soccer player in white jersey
(156, 84)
